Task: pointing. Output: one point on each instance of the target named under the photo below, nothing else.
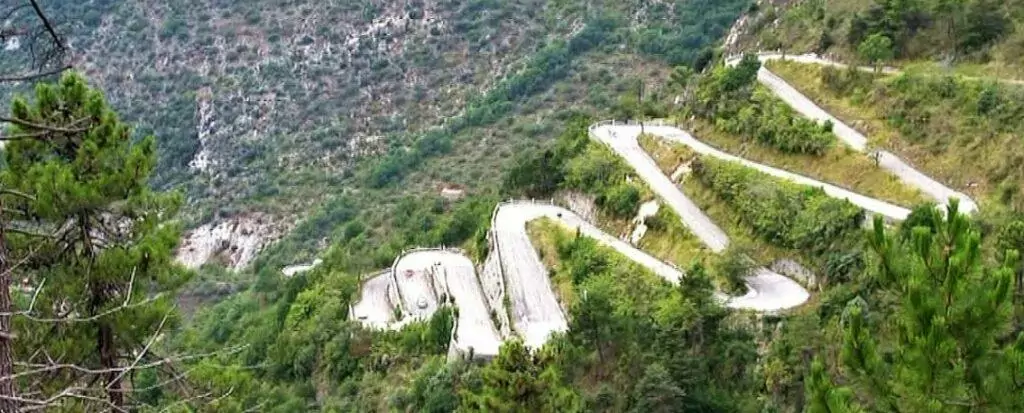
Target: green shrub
(622, 200)
(583, 257)
(781, 212)
(733, 266)
(730, 99)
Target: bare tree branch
(145, 350)
(39, 368)
(28, 233)
(49, 27)
(26, 77)
(70, 392)
(183, 402)
(88, 319)
(17, 193)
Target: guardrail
(629, 122)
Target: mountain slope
(265, 109)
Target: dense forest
(922, 315)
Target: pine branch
(31, 125)
(17, 193)
(145, 350)
(70, 392)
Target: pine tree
(656, 392)
(823, 396)
(517, 381)
(96, 244)
(945, 344)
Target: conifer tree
(656, 392)
(823, 396)
(95, 244)
(517, 381)
(948, 345)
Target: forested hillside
(289, 206)
(984, 32)
(264, 108)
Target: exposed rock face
(580, 203)
(795, 271)
(234, 241)
(297, 268)
(647, 209)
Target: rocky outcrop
(233, 242)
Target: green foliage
(733, 266)
(575, 163)
(549, 64)
(621, 200)
(310, 339)
(534, 174)
(680, 76)
(517, 381)
(781, 212)
(956, 121)
(627, 321)
(950, 332)
(703, 22)
(583, 256)
(655, 392)
(875, 49)
(824, 397)
(728, 97)
(435, 386)
(105, 253)
(770, 122)
(984, 23)
(969, 26)
(539, 174)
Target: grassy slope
(669, 157)
(840, 166)
(959, 159)
(798, 27)
(546, 235)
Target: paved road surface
(802, 104)
(475, 329)
(453, 274)
(536, 313)
(811, 58)
(623, 142)
(373, 308)
(671, 133)
(416, 285)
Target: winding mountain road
(623, 140)
(373, 308)
(419, 279)
(850, 136)
(535, 310)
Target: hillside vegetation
(368, 128)
(962, 131)
(986, 33)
